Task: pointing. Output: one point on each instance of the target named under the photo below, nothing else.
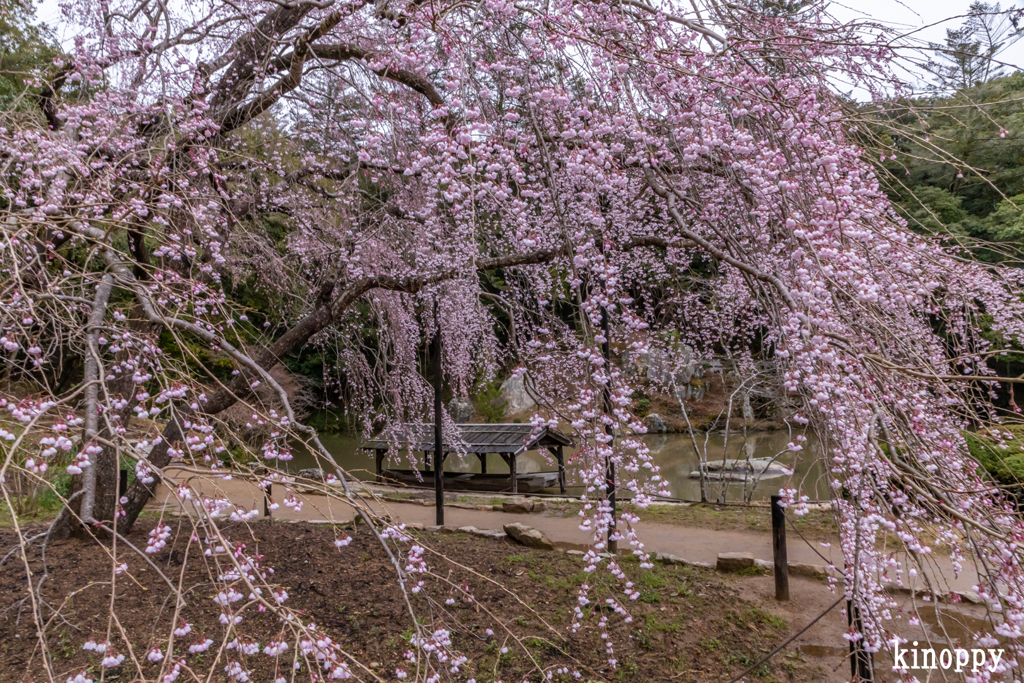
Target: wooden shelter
(508, 441)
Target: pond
(673, 453)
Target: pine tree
(969, 56)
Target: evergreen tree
(968, 57)
(27, 50)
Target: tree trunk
(107, 463)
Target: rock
(515, 396)
(461, 410)
(896, 589)
(665, 558)
(740, 469)
(655, 424)
(811, 570)
(517, 506)
(314, 473)
(428, 497)
(489, 533)
(769, 567)
(966, 596)
(528, 536)
(745, 465)
(574, 552)
(539, 506)
(468, 529)
(734, 562)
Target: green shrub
(489, 403)
(1004, 465)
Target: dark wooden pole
(561, 468)
(267, 493)
(779, 549)
(860, 659)
(514, 475)
(609, 465)
(438, 445)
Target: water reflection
(673, 453)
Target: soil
(689, 624)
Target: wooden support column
(378, 456)
(779, 549)
(438, 445)
(268, 492)
(861, 664)
(483, 462)
(561, 468)
(609, 465)
(512, 469)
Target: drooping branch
(319, 319)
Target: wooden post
(512, 470)
(483, 462)
(438, 445)
(267, 492)
(860, 659)
(561, 469)
(609, 465)
(379, 459)
(779, 549)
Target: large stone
(811, 570)
(314, 473)
(734, 562)
(965, 596)
(666, 558)
(741, 469)
(461, 410)
(655, 424)
(517, 506)
(489, 533)
(528, 536)
(514, 395)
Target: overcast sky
(926, 20)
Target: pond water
(673, 453)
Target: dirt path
(823, 643)
(694, 544)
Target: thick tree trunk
(106, 493)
